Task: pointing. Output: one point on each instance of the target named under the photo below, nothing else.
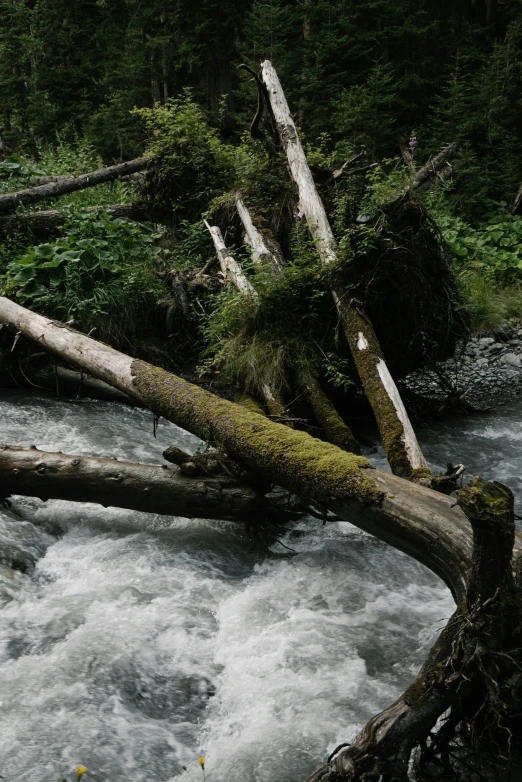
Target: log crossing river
(135, 644)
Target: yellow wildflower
(81, 771)
(202, 762)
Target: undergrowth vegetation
(393, 254)
(100, 273)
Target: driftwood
(109, 482)
(10, 201)
(474, 548)
(44, 224)
(401, 445)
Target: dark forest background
(364, 72)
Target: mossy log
(402, 448)
(411, 517)
(109, 482)
(478, 645)
(10, 201)
(472, 675)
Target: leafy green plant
(98, 272)
(494, 245)
(192, 164)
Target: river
(136, 644)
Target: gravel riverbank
(485, 370)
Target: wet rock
(486, 341)
(482, 362)
(511, 359)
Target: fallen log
(402, 448)
(421, 522)
(261, 253)
(10, 201)
(471, 672)
(438, 169)
(62, 380)
(112, 483)
(44, 224)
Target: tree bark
(230, 269)
(402, 449)
(111, 483)
(415, 519)
(11, 201)
(261, 253)
(471, 673)
(44, 224)
(436, 169)
(62, 380)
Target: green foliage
(99, 272)
(365, 113)
(493, 246)
(262, 341)
(192, 164)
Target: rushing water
(138, 643)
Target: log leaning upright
(402, 449)
(333, 426)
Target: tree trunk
(230, 269)
(261, 253)
(69, 381)
(109, 482)
(436, 169)
(42, 225)
(417, 520)
(334, 428)
(11, 201)
(402, 449)
(472, 674)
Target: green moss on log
(420, 472)
(304, 465)
(390, 426)
(334, 428)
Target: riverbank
(483, 371)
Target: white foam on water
(141, 642)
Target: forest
(256, 257)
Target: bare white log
(419, 521)
(253, 237)
(232, 271)
(402, 449)
(334, 428)
(229, 266)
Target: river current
(135, 644)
